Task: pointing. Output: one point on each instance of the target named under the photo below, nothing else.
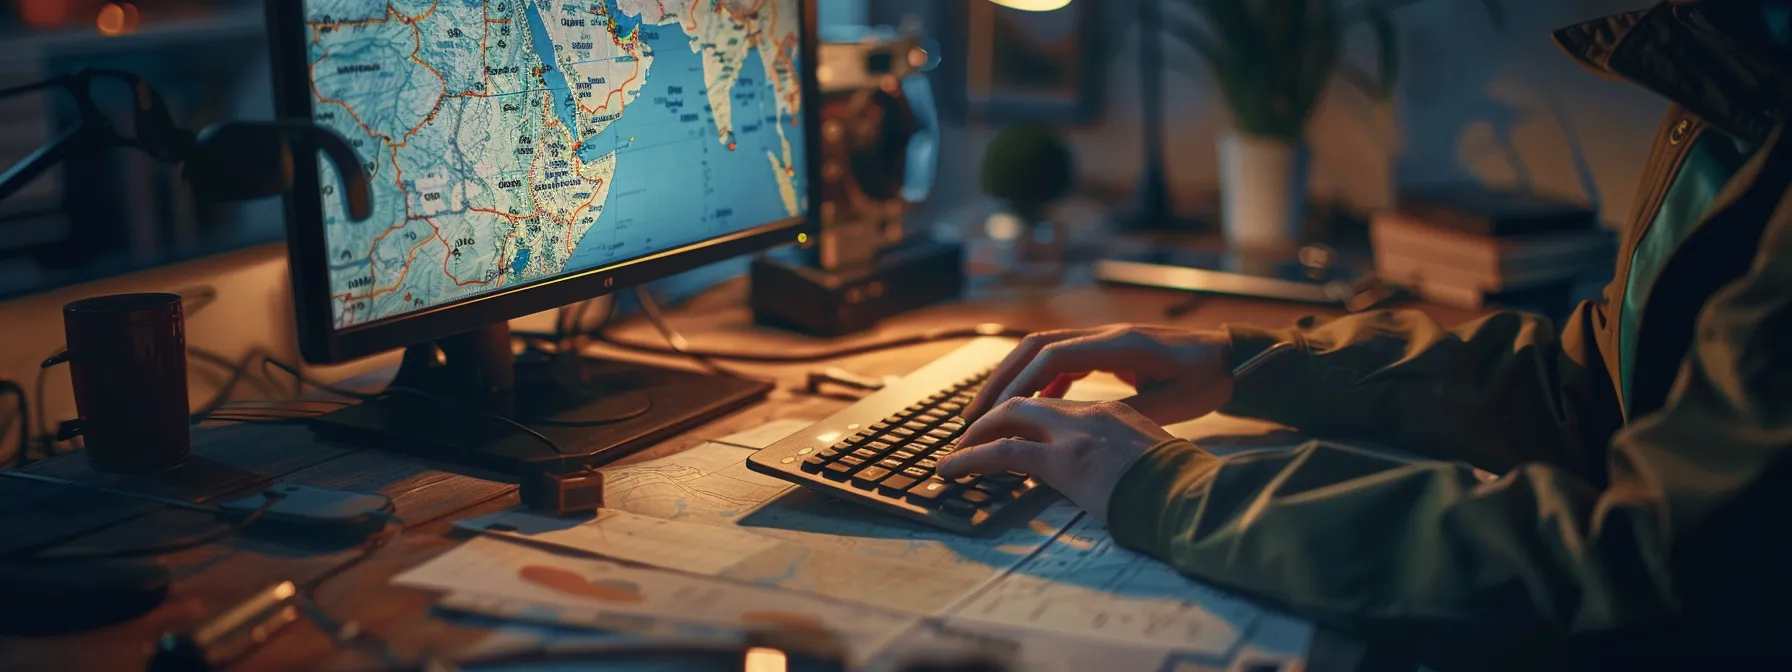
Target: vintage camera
(879, 138)
(879, 148)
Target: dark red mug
(127, 357)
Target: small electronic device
(882, 450)
(309, 506)
(557, 158)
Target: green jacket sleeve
(1685, 529)
(1497, 392)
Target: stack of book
(1470, 248)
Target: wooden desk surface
(244, 459)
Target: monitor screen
(515, 141)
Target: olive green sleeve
(1684, 527)
(1496, 392)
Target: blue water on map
(520, 262)
(676, 181)
(564, 105)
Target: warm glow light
(802, 237)
(117, 19)
(43, 13)
(1032, 5)
(761, 659)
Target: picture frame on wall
(1002, 66)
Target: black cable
(676, 341)
(24, 420)
(550, 443)
(337, 630)
(239, 371)
(304, 380)
(269, 498)
(45, 434)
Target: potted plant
(1272, 59)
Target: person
(1641, 478)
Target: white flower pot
(1263, 193)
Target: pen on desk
(1257, 361)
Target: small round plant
(1030, 167)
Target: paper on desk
(503, 579)
(1083, 585)
(766, 434)
(742, 556)
(711, 486)
(632, 538)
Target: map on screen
(510, 141)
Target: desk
(429, 497)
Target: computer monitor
(525, 155)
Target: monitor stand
(449, 395)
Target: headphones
(230, 161)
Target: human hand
(1080, 448)
(1179, 374)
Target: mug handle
(69, 428)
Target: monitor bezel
(307, 253)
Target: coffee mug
(127, 357)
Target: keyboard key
(863, 436)
(994, 489)
(891, 463)
(882, 426)
(891, 440)
(974, 496)
(953, 406)
(836, 471)
(806, 450)
(829, 454)
(894, 484)
(941, 433)
(931, 417)
(850, 461)
(944, 450)
(916, 472)
(953, 426)
(927, 440)
(843, 446)
(896, 419)
(929, 491)
(916, 409)
(958, 508)
(866, 454)
(903, 432)
(927, 463)
(915, 425)
(878, 446)
(869, 476)
(814, 463)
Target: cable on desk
(550, 443)
(676, 341)
(350, 633)
(304, 380)
(24, 420)
(269, 498)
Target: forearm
(1496, 392)
(1348, 537)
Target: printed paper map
(1058, 600)
(513, 140)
